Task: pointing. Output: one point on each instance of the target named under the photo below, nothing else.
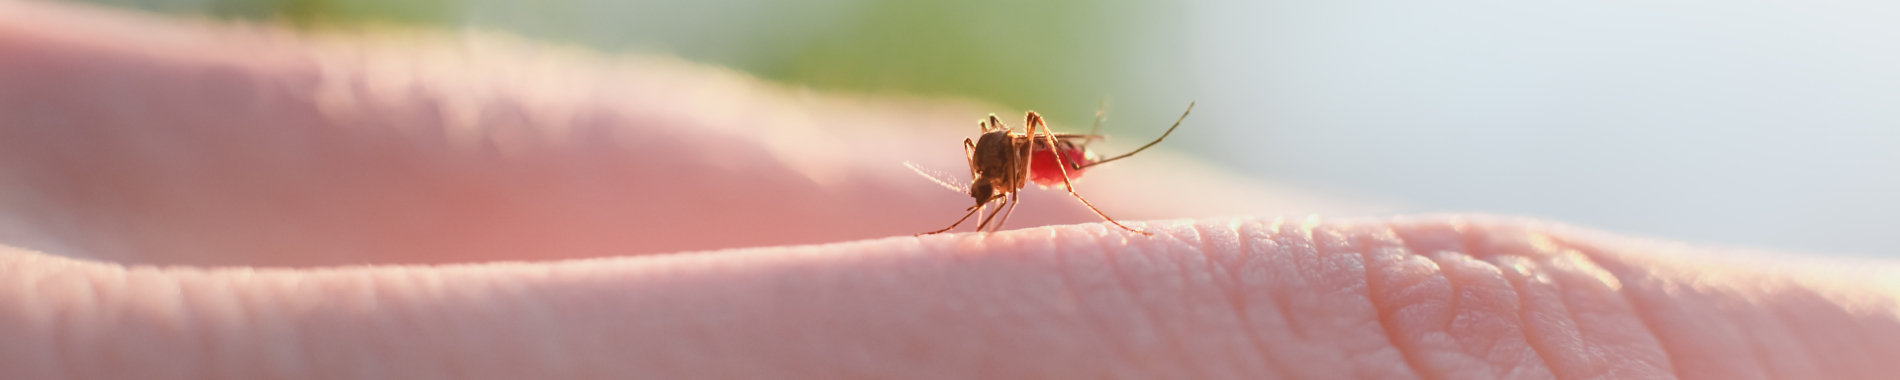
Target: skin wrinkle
(1453, 307)
(393, 290)
(1575, 258)
(1523, 357)
(1457, 288)
(297, 356)
(516, 301)
(1752, 330)
(197, 323)
(1604, 354)
(112, 316)
(177, 323)
(1860, 328)
(1264, 234)
(1841, 369)
(107, 313)
(1471, 244)
(1647, 315)
(532, 312)
(1102, 327)
(1219, 251)
(1589, 350)
(1281, 302)
(374, 319)
(212, 298)
(422, 287)
(1868, 346)
(1121, 279)
(1219, 278)
(1307, 256)
(1284, 251)
(54, 323)
(1525, 319)
(1374, 287)
(1454, 313)
(248, 330)
(278, 317)
(1502, 262)
(1443, 348)
(1693, 311)
(348, 309)
(1183, 278)
(38, 321)
(1329, 244)
(1228, 267)
(1602, 366)
(252, 333)
(68, 318)
(1760, 350)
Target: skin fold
(190, 200)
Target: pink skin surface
(194, 201)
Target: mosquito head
(982, 191)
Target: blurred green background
(1059, 57)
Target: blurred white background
(1768, 124)
(1771, 124)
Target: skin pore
(188, 200)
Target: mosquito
(1003, 162)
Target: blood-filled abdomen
(1045, 171)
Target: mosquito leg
(1014, 198)
(1050, 140)
(980, 219)
(1177, 124)
(992, 217)
(966, 216)
(969, 157)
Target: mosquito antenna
(1177, 124)
(941, 178)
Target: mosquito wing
(948, 181)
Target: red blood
(1043, 169)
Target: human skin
(191, 201)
